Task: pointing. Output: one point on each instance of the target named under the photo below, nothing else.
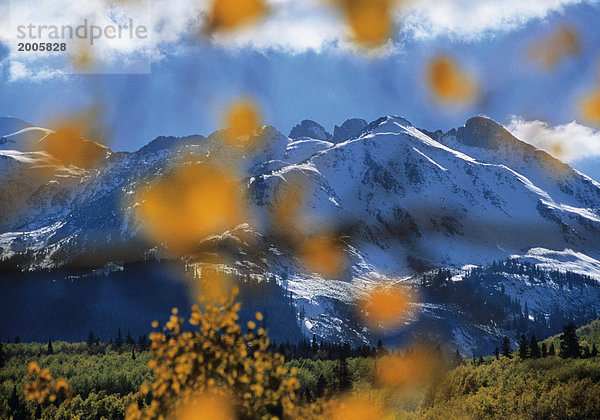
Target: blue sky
(311, 74)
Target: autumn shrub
(215, 361)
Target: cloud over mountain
(568, 142)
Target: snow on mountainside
(37, 184)
(19, 135)
(9, 125)
(566, 260)
(404, 193)
(408, 201)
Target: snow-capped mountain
(407, 202)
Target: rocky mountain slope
(406, 201)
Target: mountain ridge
(578, 195)
(406, 200)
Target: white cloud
(293, 26)
(313, 24)
(18, 71)
(21, 71)
(469, 19)
(569, 142)
(58, 22)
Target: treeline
(481, 294)
(93, 346)
(569, 346)
(322, 350)
(529, 347)
(106, 382)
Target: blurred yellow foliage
(323, 254)
(209, 405)
(557, 150)
(242, 119)
(385, 306)
(40, 387)
(449, 83)
(355, 407)
(192, 202)
(82, 57)
(320, 252)
(214, 285)
(287, 209)
(68, 145)
(228, 15)
(590, 108)
(68, 142)
(412, 369)
(552, 50)
(370, 21)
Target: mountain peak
(312, 129)
(389, 119)
(486, 133)
(170, 142)
(349, 129)
(10, 125)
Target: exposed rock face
(348, 130)
(309, 129)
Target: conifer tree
(497, 353)
(523, 347)
(534, 349)
(119, 340)
(15, 404)
(129, 339)
(50, 349)
(506, 351)
(569, 342)
(13, 401)
(344, 381)
(321, 384)
(457, 360)
(90, 340)
(142, 342)
(544, 350)
(551, 350)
